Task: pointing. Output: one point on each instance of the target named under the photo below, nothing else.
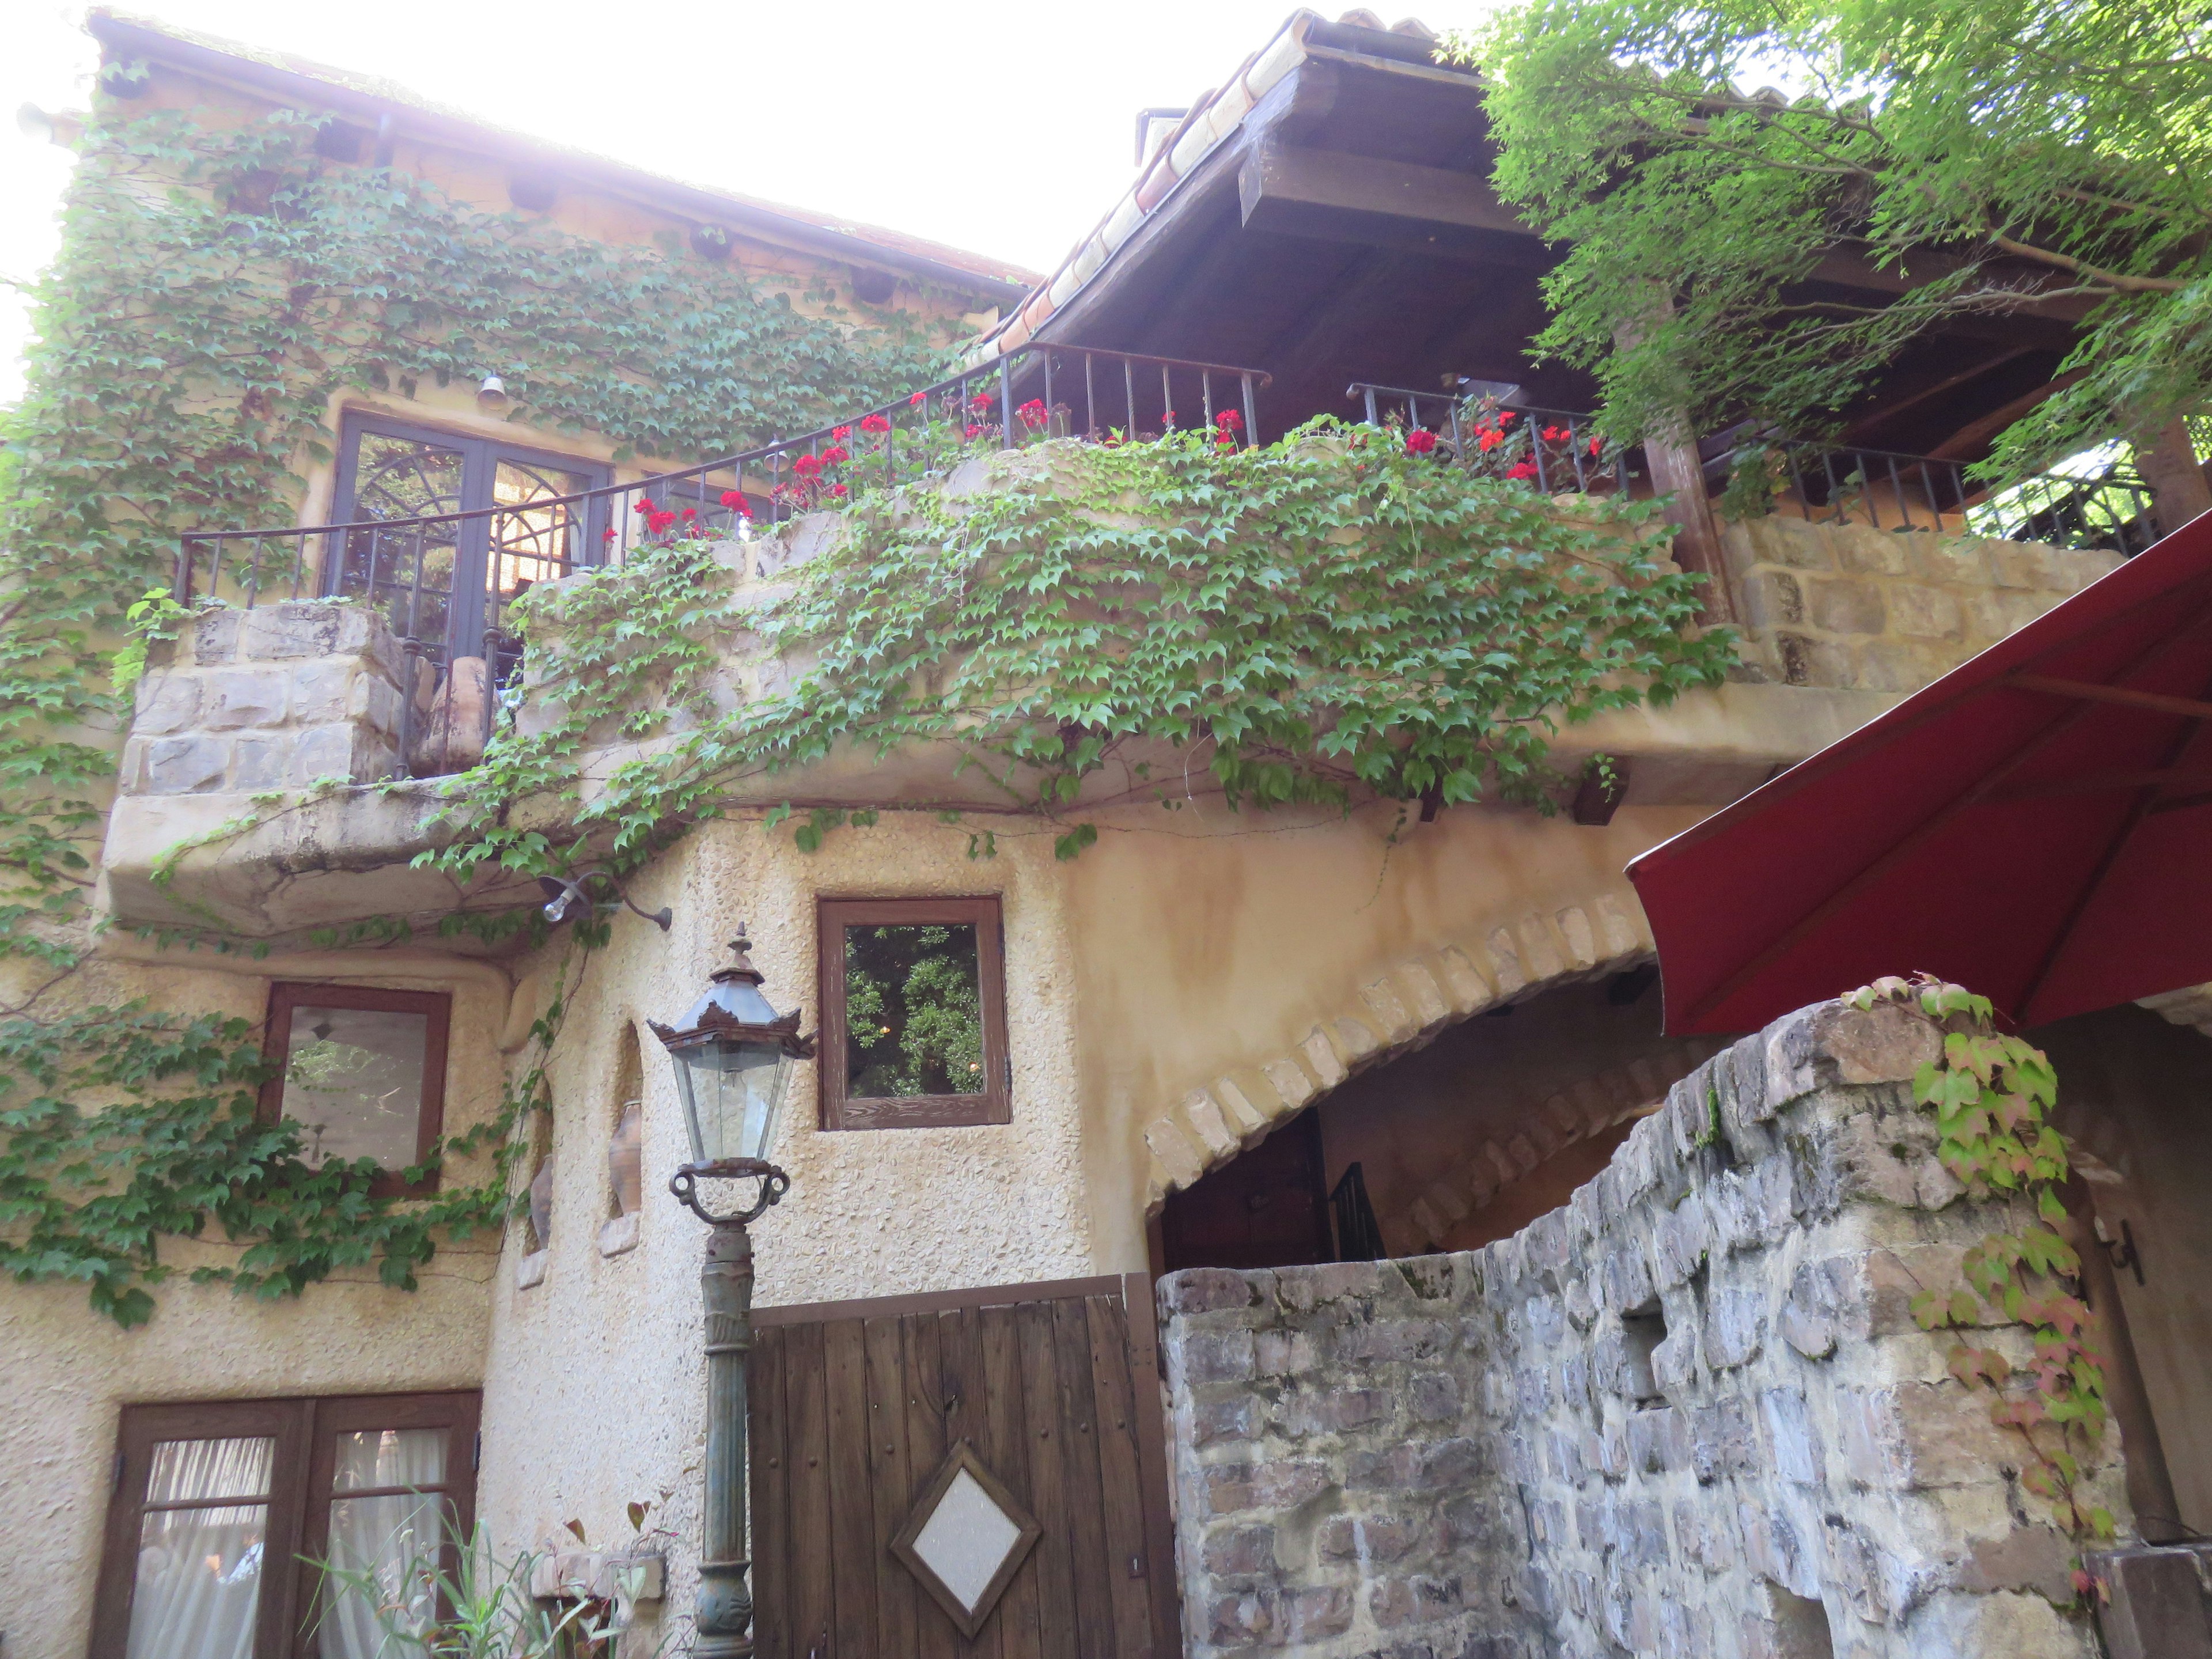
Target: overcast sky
(1006, 129)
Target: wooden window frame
(285, 995)
(994, 1104)
(306, 1432)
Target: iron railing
(443, 581)
(1828, 484)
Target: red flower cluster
(1421, 440)
(836, 489)
(875, 424)
(917, 400)
(974, 431)
(835, 455)
(1168, 419)
(807, 466)
(1034, 414)
(1558, 435)
(735, 501)
(839, 434)
(1230, 421)
(1522, 470)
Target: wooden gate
(1055, 1388)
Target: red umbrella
(2036, 826)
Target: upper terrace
(323, 660)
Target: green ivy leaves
(1990, 1093)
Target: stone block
(213, 636)
(1246, 1115)
(1388, 1341)
(1920, 1435)
(1239, 1550)
(1807, 660)
(1394, 1603)
(1387, 1009)
(322, 690)
(1354, 1040)
(300, 627)
(1170, 1142)
(1209, 1127)
(1956, 560)
(245, 696)
(1464, 983)
(1722, 1443)
(1204, 1289)
(342, 752)
(1289, 1080)
(1735, 1327)
(263, 762)
(166, 703)
(1214, 1357)
(1335, 1410)
(1813, 1313)
(1315, 1614)
(1434, 1396)
(1424, 996)
(1217, 1420)
(1842, 605)
(1772, 599)
(1793, 1449)
(1321, 1054)
(1927, 613)
(186, 765)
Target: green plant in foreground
(1992, 1095)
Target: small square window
(914, 1014)
(362, 1073)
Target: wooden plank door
(1054, 1387)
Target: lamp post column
(725, 1612)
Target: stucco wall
(1687, 1414)
(69, 1371)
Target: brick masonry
(1687, 1413)
(1852, 606)
(277, 698)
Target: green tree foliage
(914, 1010)
(215, 289)
(1984, 148)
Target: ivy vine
(1327, 620)
(1992, 1095)
(217, 288)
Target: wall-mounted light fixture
(565, 897)
(491, 395)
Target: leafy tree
(1993, 151)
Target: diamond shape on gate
(965, 1539)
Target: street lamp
(734, 1054)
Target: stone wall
(1687, 1413)
(1851, 607)
(282, 697)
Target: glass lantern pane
(914, 1010)
(735, 1092)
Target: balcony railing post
(1005, 403)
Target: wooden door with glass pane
(222, 1508)
(976, 1471)
(501, 526)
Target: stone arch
(1401, 1006)
(1552, 1123)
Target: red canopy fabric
(2036, 826)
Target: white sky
(1003, 128)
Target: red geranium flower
(1593, 446)
(807, 466)
(644, 506)
(1522, 470)
(1557, 434)
(836, 453)
(836, 489)
(1421, 440)
(839, 434)
(917, 400)
(1224, 441)
(1230, 421)
(874, 424)
(657, 522)
(735, 501)
(690, 513)
(1504, 417)
(1168, 419)
(974, 430)
(608, 534)
(1033, 413)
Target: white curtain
(394, 1539)
(198, 1583)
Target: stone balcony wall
(282, 697)
(1688, 1413)
(1853, 607)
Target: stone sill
(531, 1269)
(619, 1236)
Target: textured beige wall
(69, 1371)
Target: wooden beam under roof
(1337, 197)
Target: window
(450, 584)
(216, 1504)
(363, 1074)
(914, 1014)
